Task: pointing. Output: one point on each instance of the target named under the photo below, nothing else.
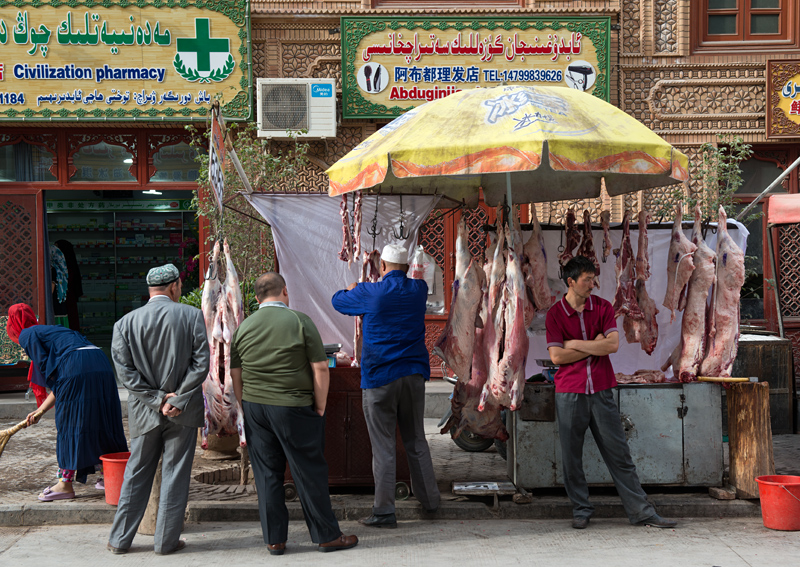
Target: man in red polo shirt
(581, 334)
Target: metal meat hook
(373, 230)
(403, 234)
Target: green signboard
(391, 65)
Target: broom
(6, 434)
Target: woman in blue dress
(83, 391)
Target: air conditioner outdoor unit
(296, 104)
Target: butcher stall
(530, 145)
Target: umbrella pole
(508, 189)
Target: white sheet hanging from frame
(307, 229)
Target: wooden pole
(749, 437)
(148, 524)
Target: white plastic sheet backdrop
(630, 357)
(308, 237)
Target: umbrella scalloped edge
(369, 177)
(490, 160)
(635, 161)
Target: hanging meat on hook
(534, 266)
(466, 396)
(586, 248)
(494, 323)
(642, 330)
(346, 253)
(223, 311)
(605, 220)
(642, 254)
(572, 236)
(515, 351)
(680, 265)
(625, 302)
(723, 332)
(457, 340)
(689, 353)
(357, 219)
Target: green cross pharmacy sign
(203, 58)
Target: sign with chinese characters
(391, 65)
(783, 98)
(119, 205)
(118, 59)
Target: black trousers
(275, 435)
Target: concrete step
(14, 405)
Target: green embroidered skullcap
(163, 275)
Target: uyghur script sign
(391, 65)
(783, 98)
(159, 60)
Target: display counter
(673, 430)
(347, 447)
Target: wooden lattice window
(18, 252)
(431, 236)
(789, 270)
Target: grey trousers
(177, 444)
(399, 404)
(598, 412)
(275, 435)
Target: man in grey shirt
(161, 355)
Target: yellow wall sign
(391, 65)
(159, 60)
(783, 98)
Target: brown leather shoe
(181, 545)
(341, 542)
(276, 548)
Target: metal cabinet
(673, 432)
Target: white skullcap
(394, 254)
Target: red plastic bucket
(780, 501)
(113, 472)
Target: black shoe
(380, 521)
(656, 521)
(116, 550)
(580, 523)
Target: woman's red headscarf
(20, 317)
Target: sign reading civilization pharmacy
(123, 59)
(391, 65)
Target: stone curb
(545, 507)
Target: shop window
(745, 24)
(103, 163)
(25, 162)
(176, 163)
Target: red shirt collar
(570, 311)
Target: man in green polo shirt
(280, 376)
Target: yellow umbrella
(531, 144)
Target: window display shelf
(116, 248)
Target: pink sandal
(48, 495)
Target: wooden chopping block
(749, 436)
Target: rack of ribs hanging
(223, 312)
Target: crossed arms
(575, 350)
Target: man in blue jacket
(394, 367)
